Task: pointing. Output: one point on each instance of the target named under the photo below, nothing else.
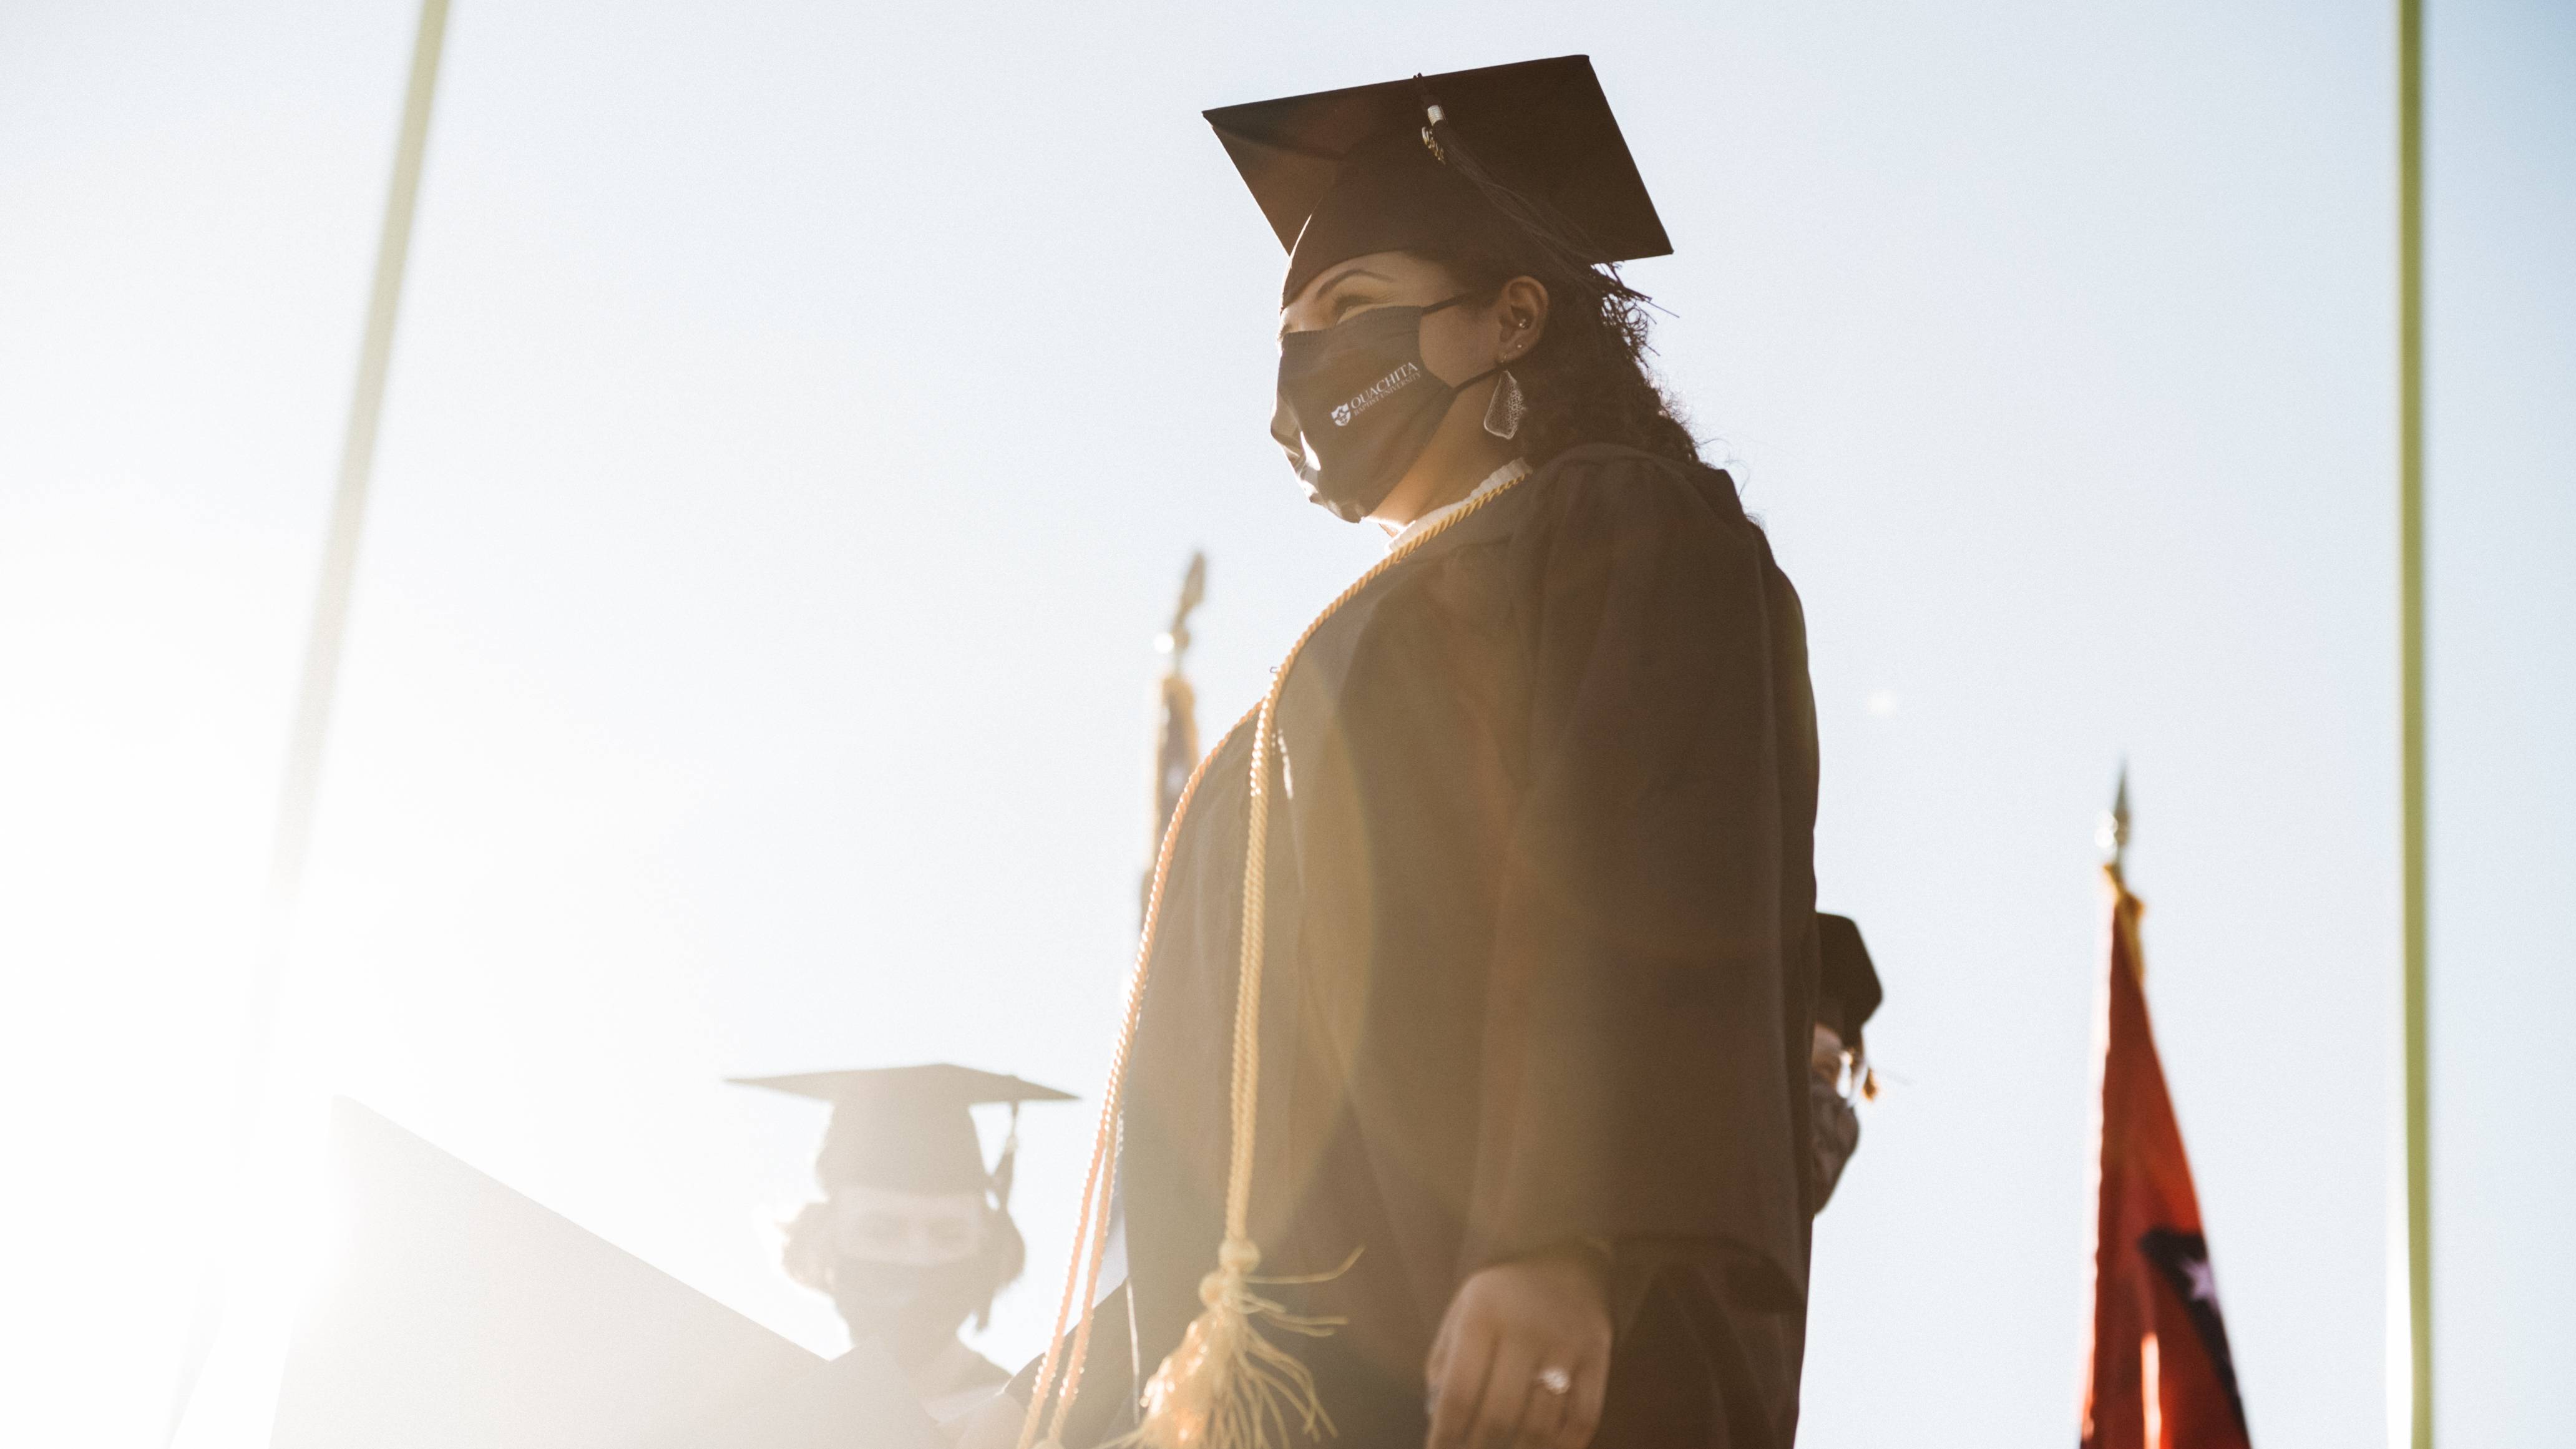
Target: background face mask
(1357, 406)
(913, 1310)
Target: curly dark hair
(1587, 381)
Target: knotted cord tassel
(1228, 1386)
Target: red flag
(2160, 1376)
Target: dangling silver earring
(1503, 414)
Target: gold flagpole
(2418, 1205)
(302, 781)
(1176, 725)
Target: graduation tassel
(1542, 225)
(1006, 1171)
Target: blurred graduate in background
(914, 1235)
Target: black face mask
(914, 1311)
(1356, 405)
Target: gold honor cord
(1091, 1226)
(1227, 1384)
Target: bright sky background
(800, 419)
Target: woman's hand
(1515, 1335)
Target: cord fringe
(1228, 1386)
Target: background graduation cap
(1436, 160)
(908, 1128)
(1847, 989)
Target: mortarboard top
(905, 1128)
(1343, 173)
(1847, 986)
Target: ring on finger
(1556, 1381)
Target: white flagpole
(314, 697)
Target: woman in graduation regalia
(1465, 1096)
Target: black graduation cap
(907, 1128)
(1847, 989)
(1514, 149)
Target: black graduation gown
(1541, 964)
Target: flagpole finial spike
(2113, 833)
(1175, 641)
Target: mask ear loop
(1503, 414)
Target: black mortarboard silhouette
(1517, 155)
(907, 1127)
(1847, 989)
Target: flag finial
(2113, 834)
(1176, 732)
(1175, 641)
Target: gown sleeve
(1645, 1055)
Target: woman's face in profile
(1456, 343)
